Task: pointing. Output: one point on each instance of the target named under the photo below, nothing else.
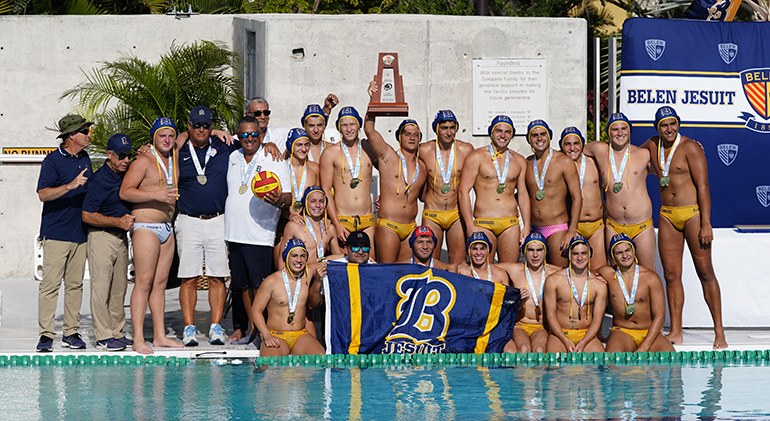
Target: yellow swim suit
(637, 335)
(290, 336)
(357, 222)
(587, 229)
(496, 225)
(630, 230)
(575, 335)
(529, 328)
(444, 219)
(678, 216)
(402, 230)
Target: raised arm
(376, 141)
(52, 193)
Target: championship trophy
(389, 98)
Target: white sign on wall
(513, 87)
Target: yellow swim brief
(575, 335)
(637, 335)
(444, 219)
(290, 336)
(496, 225)
(587, 229)
(630, 230)
(357, 222)
(678, 216)
(529, 328)
(402, 230)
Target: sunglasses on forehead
(259, 113)
(245, 136)
(203, 124)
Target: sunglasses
(259, 113)
(356, 249)
(84, 130)
(123, 155)
(245, 136)
(202, 124)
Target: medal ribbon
(586, 291)
(291, 301)
(245, 175)
(445, 175)
(168, 173)
(662, 153)
(323, 147)
(541, 180)
(319, 245)
(582, 170)
(489, 273)
(430, 263)
(500, 177)
(615, 174)
(350, 161)
(535, 298)
(209, 153)
(297, 191)
(619, 276)
(406, 173)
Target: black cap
(358, 238)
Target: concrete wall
(41, 57)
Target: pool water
(202, 390)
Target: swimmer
(423, 242)
(551, 180)
(444, 160)
(315, 230)
(302, 171)
(495, 173)
(591, 221)
(315, 122)
(151, 185)
(680, 165)
(575, 317)
(637, 301)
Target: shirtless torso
(303, 172)
(318, 234)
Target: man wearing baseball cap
(62, 187)
(109, 219)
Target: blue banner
(716, 76)
(411, 309)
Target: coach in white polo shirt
(251, 222)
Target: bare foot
(720, 342)
(675, 338)
(235, 336)
(166, 342)
(141, 347)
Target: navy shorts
(249, 264)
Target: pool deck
(19, 329)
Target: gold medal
(297, 206)
(630, 308)
(445, 188)
(538, 312)
(290, 319)
(617, 187)
(540, 194)
(169, 186)
(501, 188)
(202, 180)
(665, 180)
(242, 189)
(354, 182)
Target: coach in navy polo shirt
(61, 187)
(109, 218)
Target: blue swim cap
(314, 110)
(407, 122)
(534, 237)
(442, 116)
(294, 243)
(162, 123)
(621, 238)
(501, 119)
(579, 239)
(420, 232)
(614, 118)
(665, 113)
(308, 191)
(539, 123)
(477, 237)
(572, 130)
(293, 136)
(349, 112)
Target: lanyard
(245, 174)
(586, 291)
(319, 245)
(323, 147)
(535, 298)
(618, 175)
(662, 152)
(353, 174)
(406, 174)
(168, 173)
(489, 273)
(430, 263)
(629, 299)
(297, 191)
(500, 176)
(541, 180)
(292, 301)
(446, 176)
(209, 153)
(582, 170)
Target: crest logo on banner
(655, 48)
(755, 86)
(727, 153)
(762, 195)
(728, 52)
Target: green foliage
(127, 95)
(590, 131)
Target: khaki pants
(61, 259)
(107, 265)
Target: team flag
(717, 10)
(412, 309)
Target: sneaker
(110, 345)
(217, 335)
(125, 341)
(189, 336)
(73, 341)
(45, 344)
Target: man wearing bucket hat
(61, 187)
(637, 301)
(495, 173)
(444, 159)
(680, 165)
(109, 220)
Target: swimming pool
(112, 389)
